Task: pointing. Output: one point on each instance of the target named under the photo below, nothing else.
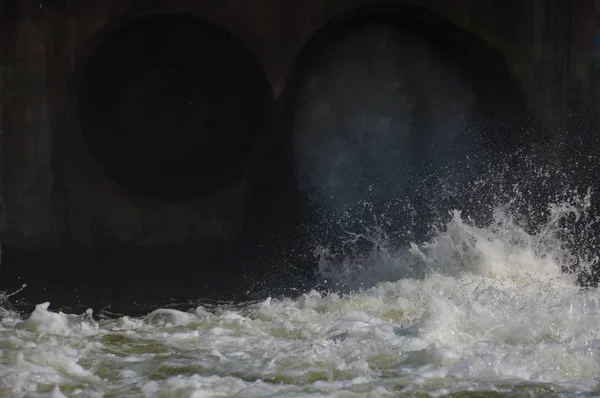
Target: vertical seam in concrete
(3, 75)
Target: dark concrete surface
(158, 150)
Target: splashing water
(474, 309)
(506, 246)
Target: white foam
(493, 311)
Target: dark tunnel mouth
(450, 39)
(170, 105)
(481, 66)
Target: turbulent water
(491, 313)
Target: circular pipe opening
(170, 105)
(392, 115)
(385, 96)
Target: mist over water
(449, 264)
(392, 142)
(374, 124)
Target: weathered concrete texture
(52, 192)
(26, 148)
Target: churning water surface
(491, 314)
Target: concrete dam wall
(198, 149)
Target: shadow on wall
(392, 117)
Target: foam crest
(506, 247)
(43, 320)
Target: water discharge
(475, 309)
